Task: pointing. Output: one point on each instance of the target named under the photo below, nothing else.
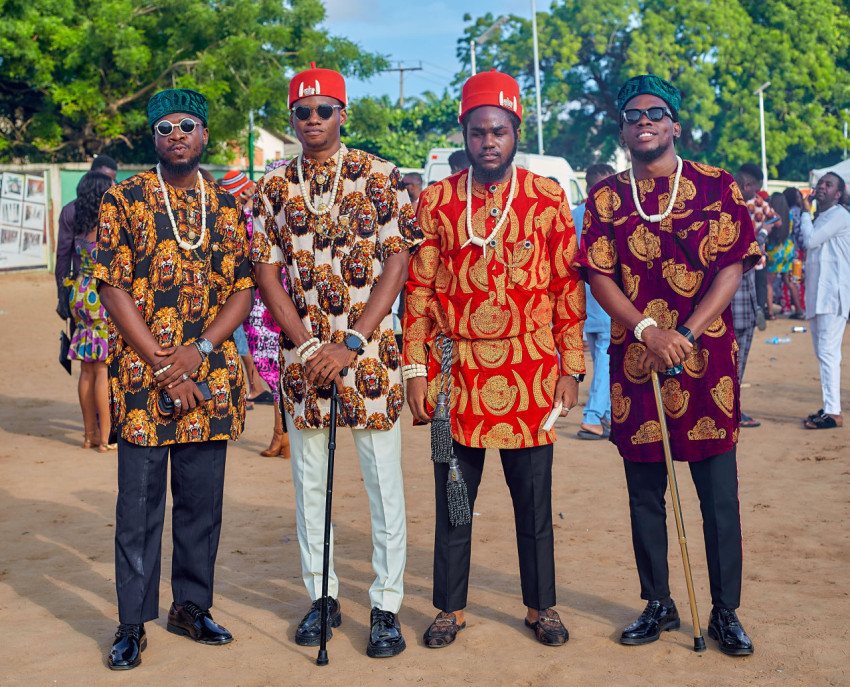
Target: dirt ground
(57, 596)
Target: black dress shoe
(385, 638)
(196, 623)
(130, 642)
(655, 619)
(725, 627)
(309, 630)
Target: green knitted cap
(177, 100)
(649, 84)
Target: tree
(75, 75)
(717, 53)
(402, 135)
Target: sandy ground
(57, 598)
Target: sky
(396, 29)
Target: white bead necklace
(323, 209)
(657, 218)
(180, 241)
(473, 239)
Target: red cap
(490, 88)
(235, 182)
(317, 82)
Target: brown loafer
(443, 631)
(549, 629)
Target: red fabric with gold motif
(317, 82)
(665, 269)
(511, 309)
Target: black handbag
(64, 349)
(63, 305)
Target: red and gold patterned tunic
(665, 269)
(511, 307)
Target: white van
(437, 168)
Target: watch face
(352, 342)
(206, 346)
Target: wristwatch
(205, 347)
(353, 343)
(687, 333)
(578, 377)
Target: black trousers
(528, 474)
(197, 485)
(716, 482)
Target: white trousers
(827, 333)
(380, 465)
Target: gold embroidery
(659, 311)
(724, 395)
(523, 392)
(607, 203)
(728, 231)
(497, 396)
(620, 405)
(648, 433)
(707, 170)
(645, 245)
(631, 366)
(501, 435)
(697, 362)
(683, 281)
(630, 282)
(603, 254)
(675, 400)
(491, 352)
(716, 329)
(618, 332)
(489, 320)
(706, 429)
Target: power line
(401, 69)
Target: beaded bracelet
(310, 352)
(303, 347)
(643, 324)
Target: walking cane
(699, 640)
(322, 658)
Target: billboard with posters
(23, 220)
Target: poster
(11, 212)
(33, 217)
(34, 190)
(13, 185)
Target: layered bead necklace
(673, 194)
(324, 208)
(180, 242)
(473, 239)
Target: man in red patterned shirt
(493, 280)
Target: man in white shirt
(827, 243)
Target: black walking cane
(699, 640)
(322, 658)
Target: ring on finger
(185, 376)
(178, 403)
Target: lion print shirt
(333, 262)
(665, 269)
(513, 306)
(179, 293)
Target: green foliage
(75, 75)
(717, 53)
(402, 136)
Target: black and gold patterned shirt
(179, 293)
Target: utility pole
(401, 69)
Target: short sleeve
(115, 263)
(734, 234)
(598, 252)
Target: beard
(650, 155)
(179, 169)
(488, 176)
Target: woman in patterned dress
(90, 342)
(780, 253)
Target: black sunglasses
(325, 111)
(187, 126)
(653, 114)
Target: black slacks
(716, 482)
(528, 474)
(197, 485)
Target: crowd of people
(213, 288)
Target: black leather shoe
(130, 642)
(196, 623)
(385, 638)
(309, 630)
(725, 627)
(655, 619)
